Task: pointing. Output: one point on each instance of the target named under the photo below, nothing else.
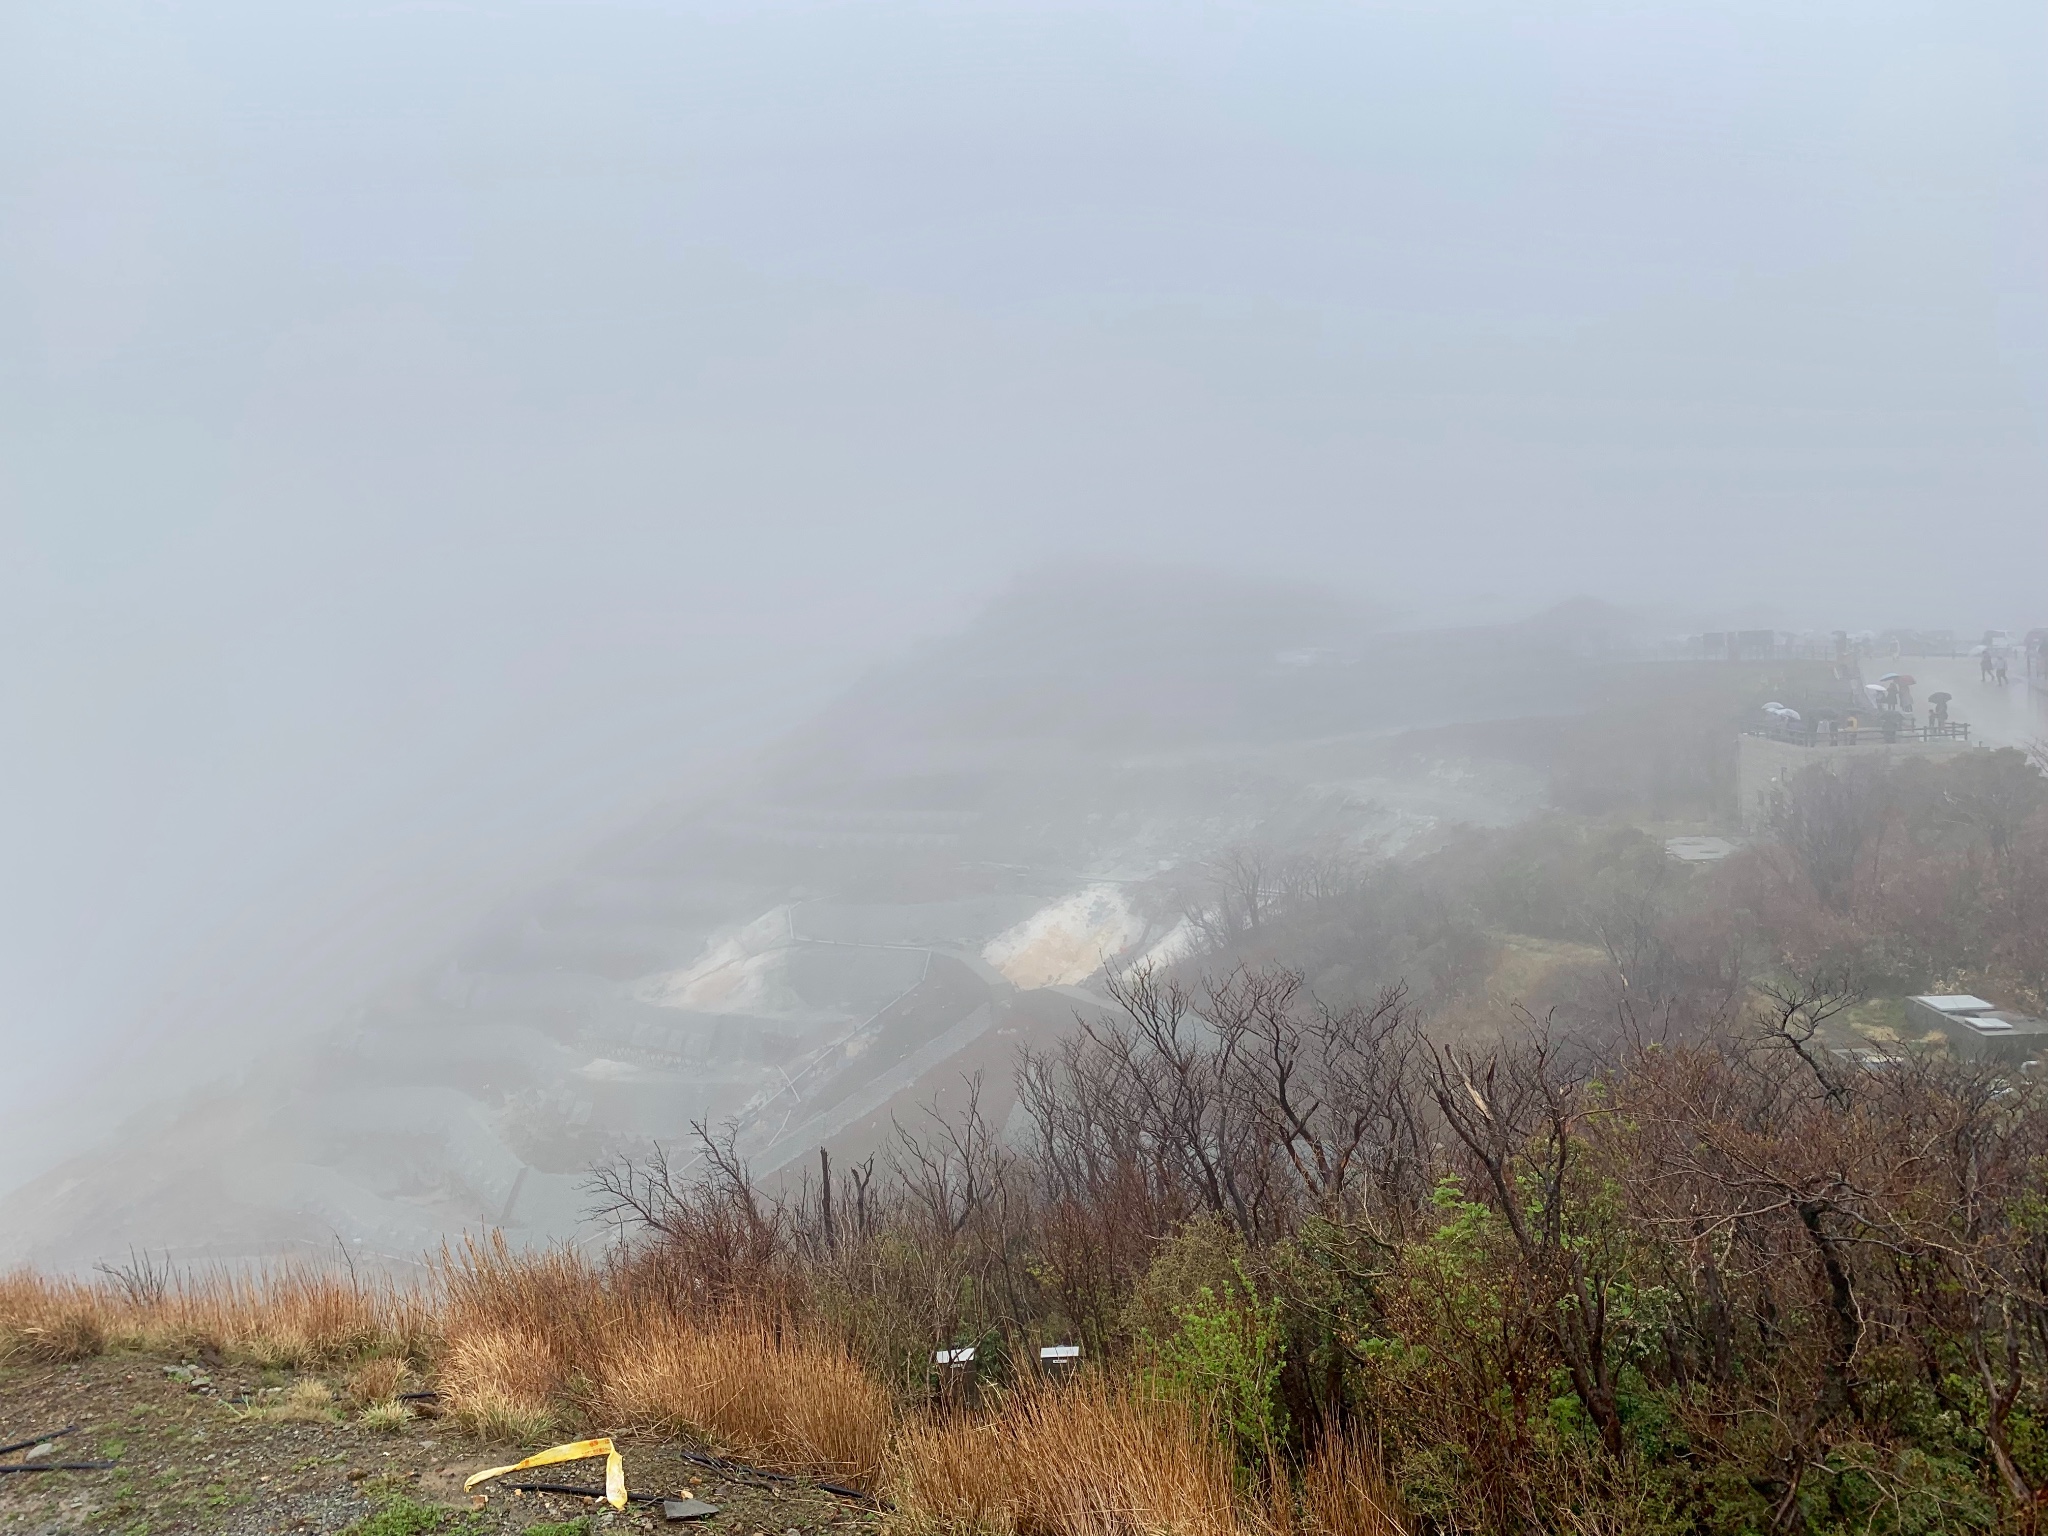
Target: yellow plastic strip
(575, 1450)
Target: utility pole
(825, 1180)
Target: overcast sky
(426, 429)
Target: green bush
(1226, 1355)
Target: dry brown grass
(1091, 1458)
(376, 1380)
(291, 1317)
(295, 1318)
(555, 1291)
(525, 1346)
(44, 1319)
(1344, 1489)
(536, 1340)
(760, 1391)
(523, 1334)
(503, 1382)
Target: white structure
(1978, 1030)
(1699, 850)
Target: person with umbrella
(1937, 704)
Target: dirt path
(191, 1456)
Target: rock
(686, 1509)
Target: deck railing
(1823, 733)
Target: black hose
(22, 1445)
(741, 1469)
(59, 1466)
(581, 1493)
(734, 1468)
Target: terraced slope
(922, 880)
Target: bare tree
(707, 1214)
(1827, 819)
(1791, 1018)
(1330, 1085)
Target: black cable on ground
(59, 1466)
(583, 1493)
(741, 1469)
(22, 1445)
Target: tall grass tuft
(757, 1389)
(47, 1319)
(1095, 1457)
(290, 1316)
(1344, 1488)
(506, 1383)
(523, 1336)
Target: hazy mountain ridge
(815, 944)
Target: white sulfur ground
(740, 972)
(1068, 940)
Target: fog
(432, 437)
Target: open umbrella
(1899, 677)
(1939, 698)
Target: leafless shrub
(722, 1236)
(1828, 820)
(144, 1281)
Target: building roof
(1701, 850)
(2002, 1021)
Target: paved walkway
(2011, 716)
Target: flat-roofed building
(1978, 1030)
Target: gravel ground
(192, 1457)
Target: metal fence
(1831, 733)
